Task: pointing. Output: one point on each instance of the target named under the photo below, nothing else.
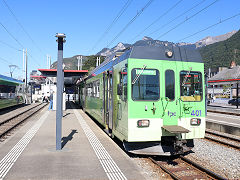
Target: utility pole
(78, 58)
(60, 79)
(81, 63)
(50, 62)
(23, 63)
(26, 87)
(47, 61)
(98, 62)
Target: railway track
(183, 168)
(223, 139)
(6, 125)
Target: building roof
(67, 73)
(226, 76)
(5, 80)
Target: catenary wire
(176, 17)
(18, 22)
(11, 35)
(10, 46)
(17, 41)
(210, 26)
(4, 60)
(131, 21)
(156, 20)
(187, 19)
(126, 5)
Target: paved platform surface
(223, 108)
(224, 118)
(87, 153)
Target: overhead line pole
(78, 58)
(23, 63)
(26, 76)
(81, 63)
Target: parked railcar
(150, 98)
(8, 94)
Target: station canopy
(5, 80)
(226, 76)
(70, 76)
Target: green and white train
(150, 98)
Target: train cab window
(191, 86)
(145, 84)
(170, 85)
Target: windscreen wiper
(185, 78)
(138, 75)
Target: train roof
(153, 53)
(4, 80)
(159, 53)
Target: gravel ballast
(220, 159)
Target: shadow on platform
(75, 106)
(68, 138)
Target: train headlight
(143, 123)
(169, 53)
(195, 121)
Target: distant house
(225, 82)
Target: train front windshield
(145, 84)
(191, 86)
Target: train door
(122, 96)
(170, 101)
(108, 104)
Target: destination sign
(146, 72)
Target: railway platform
(87, 152)
(224, 118)
(223, 109)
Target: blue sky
(84, 22)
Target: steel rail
(222, 142)
(188, 161)
(211, 173)
(7, 120)
(165, 169)
(222, 135)
(21, 121)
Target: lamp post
(60, 78)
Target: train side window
(124, 87)
(97, 89)
(170, 84)
(123, 84)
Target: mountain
(89, 63)
(220, 54)
(216, 51)
(107, 52)
(148, 41)
(70, 63)
(213, 39)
